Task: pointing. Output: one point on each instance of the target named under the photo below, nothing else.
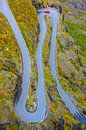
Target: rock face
(2, 128)
(61, 124)
(76, 127)
(79, 4)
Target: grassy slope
(10, 56)
(68, 55)
(9, 76)
(78, 32)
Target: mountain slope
(71, 63)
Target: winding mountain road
(20, 107)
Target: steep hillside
(10, 56)
(71, 64)
(70, 57)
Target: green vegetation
(62, 1)
(78, 32)
(10, 56)
(71, 63)
(81, 15)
